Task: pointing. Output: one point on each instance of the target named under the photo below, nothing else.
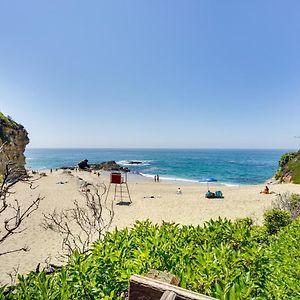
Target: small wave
(133, 163)
(247, 163)
(229, 184)
(188, 180)
(218, 183)
(169, 178)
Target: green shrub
(222, 259)
(284, 254)
(285, 158)
(295, 201)
(294, 167)
(289, 167)
(275, 219)
(8, 120)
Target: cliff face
(289, 168)
(13, 140)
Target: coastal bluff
(13, 140)
(289, 168)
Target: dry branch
(81, 225)
(16, 213)
(289, 202)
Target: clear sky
(183, 74)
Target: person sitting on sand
(179, 192)
(266, 191)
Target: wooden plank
(168, 296)
(143, 288)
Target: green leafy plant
(7, 120)
(222, 259)
(289, 166)
(285, 158)
(295, 201)
(275, 219)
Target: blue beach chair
(211, 195)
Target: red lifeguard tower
(119, 179)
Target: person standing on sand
(154, 178)
(157, 178)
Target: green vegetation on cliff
(6, 122)
(13, 140)
(223, 259)
(289, 168)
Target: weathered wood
(168, 296)
(143, 288)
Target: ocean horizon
(228, 166)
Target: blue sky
(183, 74)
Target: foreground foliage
(275, 219)
(223, 259)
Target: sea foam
(134, 163)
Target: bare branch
(288, 202)
(16, 214)
(82, 224)
(25, 249)
(13, 275)
(12, 224)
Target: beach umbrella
(208, 180)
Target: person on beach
(266, 191)
(154, 178)
(179, 192)
(157, 178)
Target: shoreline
(150, 177)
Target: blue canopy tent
(207, 180)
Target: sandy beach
(60, 189)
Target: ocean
(229, 167)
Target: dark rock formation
(105, 166)
(289, 168)
(67, 168)
(83, 164)
(13, 140)
(109, 166)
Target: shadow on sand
(125, 203)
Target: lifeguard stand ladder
(121, 187)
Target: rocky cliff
(289, 168)
(13, 140)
